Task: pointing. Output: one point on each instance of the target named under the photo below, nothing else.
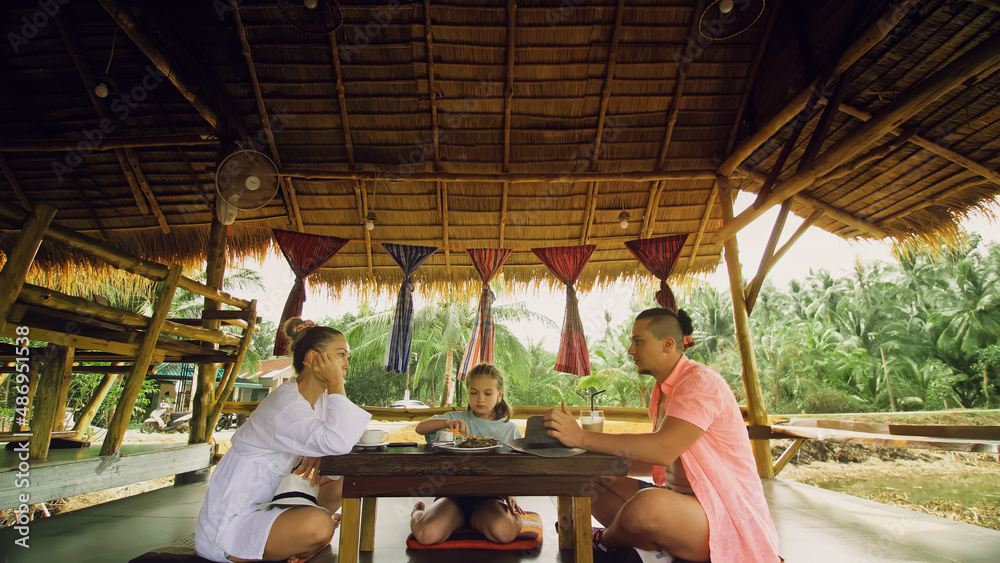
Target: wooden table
(423, 471)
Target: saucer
(371, 446)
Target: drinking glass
(592, 420)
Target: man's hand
(309, 467)
(562, 425)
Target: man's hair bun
(687, 327)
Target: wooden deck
(814, 526)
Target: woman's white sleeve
(299, 429)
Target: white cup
(371, 437)
(446, 436)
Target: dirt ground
(825, 464)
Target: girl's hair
(305, 336)
(502, 410)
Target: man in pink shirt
(707, 500)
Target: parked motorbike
(163, 420)
(227, 421)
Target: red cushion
(467, 538)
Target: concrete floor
(813, 526)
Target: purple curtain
(566, 262)
(305, 254)
(480, 349)
(397, 350)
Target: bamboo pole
(787, 456)
(871, 37)
(95, 402)
(465, 177)
(34, 367)
(21, 256)
(34, 295)
(43, 414)
(231, 374)
(767, 259)
(64, 383)
(204, 393)
(133, 384)
(288, 190)
(756, 411)
(808, 222)
(968, 66)
(108, 143)
(432, 89)
(930, 145)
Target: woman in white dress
(306, 418)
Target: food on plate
(477, 442)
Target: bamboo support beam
(463, 177)
(34, 366)
(503, 212)
(83, 342)
(231, 374)
(702, 227)
(787, 456)
(14, 184)
(508, 100)
(288, 190)
(970, 65)
(752, 75)
(94, 404)
(364, 227)
(43, 413)
(204, 394)
(192, 92)
(67, 378)
(432, 90)
(21, 256)
(756, 410)
(928, 144)
(925, 201)
(133, 383)
(588, 218)
(808, 222)
(443, 188)
(42, 297)
(117, 258)
(649, 217)
(871, 37)
(830, 211)
(106, 144)
(767, 259)
(338, 85)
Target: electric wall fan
(724, 19)
(244, 180)
(313, 16)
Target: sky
(816, 250)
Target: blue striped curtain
(397, 350)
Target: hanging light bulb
(623, 218)
(726, 6)
(370, 220)
(311, 4)
(101, 90)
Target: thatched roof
(536, 89)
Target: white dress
(266, 448)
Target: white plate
(456, 449)
(439, 444)
(365, 446)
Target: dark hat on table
(292, 491)
(537, 441)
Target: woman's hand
(562, 425)
(309, 467)
(327, 369)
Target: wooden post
(44, 413)
(94, 404)
(34, 366)
(123, 413)
(369, 511)
(67, 378)
(203, 403)
(19, 259)
(565, 522)
(756, 411)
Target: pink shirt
(720, 465)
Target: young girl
(308, 417)
(497, 518)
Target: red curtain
(480, 349)
(659, 256)
(305, 254)
(566, 262)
